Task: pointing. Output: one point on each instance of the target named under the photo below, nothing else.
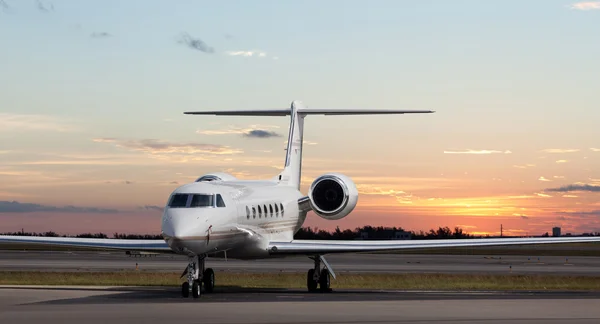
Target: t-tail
(292, 171)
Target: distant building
(555, 231)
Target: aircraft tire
(196, 289)
(185, 290)
(209, 280)
(324, 280)
(311, 284)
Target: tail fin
(292, 171)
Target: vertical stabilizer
(292, 171)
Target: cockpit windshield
(202, 201)
(196, 200)
(178, 201)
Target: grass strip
(295, 280)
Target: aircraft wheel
(311, 284)
(324, 280)
(209, 280)
(185, 290)
(196, 289)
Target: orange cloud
(586, 5)
(478, 152)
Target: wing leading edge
(156, 246)
(334, 246)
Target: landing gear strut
(196, 276)
(318, 277)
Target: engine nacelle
(216, 176)
(333, 196)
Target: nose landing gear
(196, 276)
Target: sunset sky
(93, 94)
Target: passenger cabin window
(202, 201)
(247, 212)
(276, 211)
(220, 202)
(178, 201)
(253, 212)
(281, 206)
(259, 212)
(266, 211)
(271, 209)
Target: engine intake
(333, 196)
(216, 176)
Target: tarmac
(164, 305)
(341, 263)
(61, 304)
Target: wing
(334, 246)
(155, 246)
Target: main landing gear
(319, 278)
(196, 276)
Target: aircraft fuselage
(239, 217)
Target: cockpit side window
(220, 202)
(202, 201)
(178, 201)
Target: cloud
(595, 149)
(587, 5)
(558, 177)
(259, 133)
(256, 131)
(543, 179)
(576, 187)
(569, 196)
(100, 35)
(478, 152)
(195, 43)
(17, 207)
(153, 146)
(153, 207)
(402, 197)
(542, 195)
(466, 226)
(10, 122)
(582, 213)
(562, 161)
(43, 8)
(4, 5)
(246, 53)
(524, 166)
(559, 150)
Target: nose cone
(179, 224)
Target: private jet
(218, 215)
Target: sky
(93, 135)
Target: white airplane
(220, 215)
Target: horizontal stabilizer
(319, 111)
(307, 111)
(271, 112)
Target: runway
(160, 305)
(341, 263)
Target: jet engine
(216, 176)
(333, 196)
